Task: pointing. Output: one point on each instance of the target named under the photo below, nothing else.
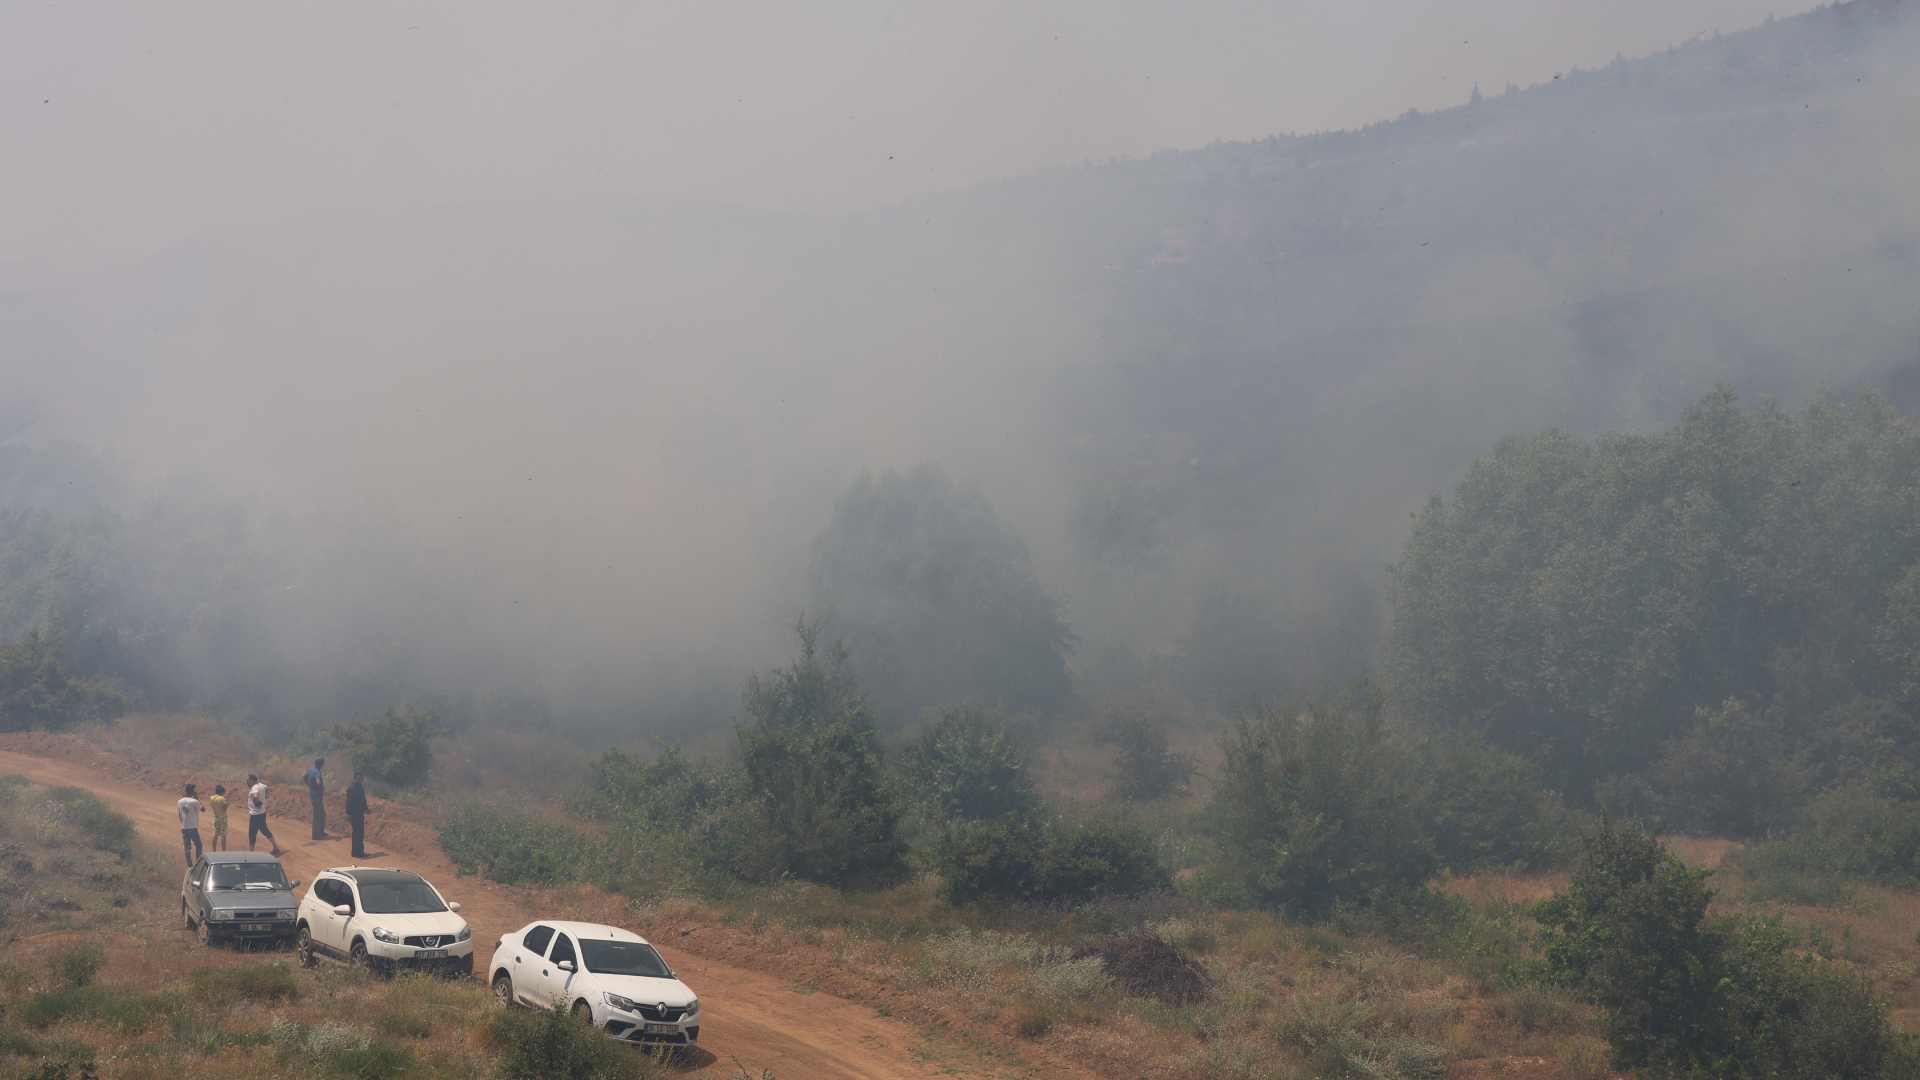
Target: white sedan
(608, 977)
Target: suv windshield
(247, 875)
(623, 958)
(398, 895)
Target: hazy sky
(121, 121)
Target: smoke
(536, 346)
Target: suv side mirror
(453, 905)
(343, 909)
(565, 965)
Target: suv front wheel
(303, 947)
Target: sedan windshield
(247, 875)
(623, 958)
(398, 896)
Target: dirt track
(753, 1019)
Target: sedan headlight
(693, 1006)
(618, 1002)
(381, 933)
(465, 934)
(221, 915)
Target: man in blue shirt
(317, 790)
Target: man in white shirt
(257, 814)
(189, 810)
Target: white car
(608, 977)
(386, 920)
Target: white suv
(386, 920)
(604, 975)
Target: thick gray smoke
(536, 363)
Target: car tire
(204, 931)
(503, 990)
(185, 915)
(357, 956)
(583, 1012)
(303, 947)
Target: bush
(1846, 835)
(1145, 766)
(37, 691)
(1319, 809)
(539, 1044)
(396, 747)
(1027, 858)
(104, 828)
(78, 964)
(1145, 964)
(1687, 995)
(1487, 807)
(123, 1010)
(967, 767)
(813, 764)
(513, 847)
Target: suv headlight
(381, 933)
(465, 934)
(619, 1002)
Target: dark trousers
(319, 814)
(256, 828)
(190, 840)
(359, 835)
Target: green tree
(396, 747)
(37, 691)
(936, 598)
(1320, 808)
(968, 767)
(813, 764)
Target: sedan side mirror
(453, 905)
(565, 965)
(343, 909)
(294, 884)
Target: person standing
(189, 809)
(257, 814)
(357, 814)
(218, 804)
(317, 791)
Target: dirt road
(753, 1019)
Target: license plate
(430, 954)
(255, 927)
(662, 1029)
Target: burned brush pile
(1146, 964)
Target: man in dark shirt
(357, 814)
(317, 791)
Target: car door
(529, 957)
(330, 927)
(559, 983)
(196, 891)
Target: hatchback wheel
(503, 990)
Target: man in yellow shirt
(219, 806)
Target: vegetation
(1690, 995)
(538, 1044)
(1146, 767)
(37, 691)
(936, 598)
(396, 747)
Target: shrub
(104, 828)
(77, 964)
(538, 1044)
(1026, 858)
(1487, 807)
(967, 767)
(1318, 809)
(123, 1010)
(37, 690)
(665, 791)
(396, 747)
(1688, 995)
(1145, 767)
(512, 846)
(813, 763)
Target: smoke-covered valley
(572, 458)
